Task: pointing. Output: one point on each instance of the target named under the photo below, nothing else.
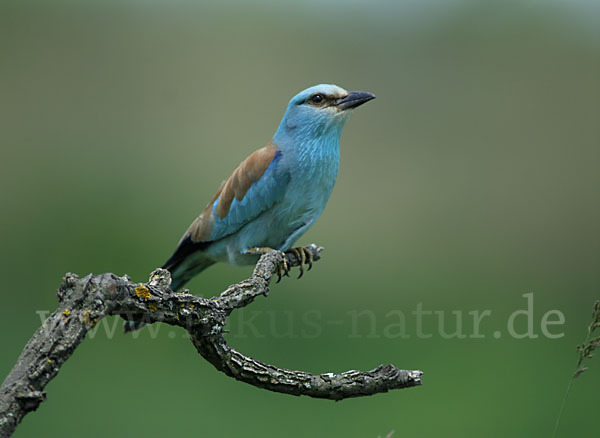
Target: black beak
(354, 99)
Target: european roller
(275, 194)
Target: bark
(84, 301)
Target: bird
(276, 194)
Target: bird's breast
(312, 176)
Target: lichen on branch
(84, 301)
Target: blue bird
(277, 193)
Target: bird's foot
(303, 255)
(258, 250)
(282, 269)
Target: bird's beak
(354, 99)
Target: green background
(471, 180)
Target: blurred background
(471, 180)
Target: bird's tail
(180, 275)
(187, 262)
(184, 272)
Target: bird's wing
(253, 187)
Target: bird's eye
(317, 98)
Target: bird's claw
(304, 255)
(284, 268)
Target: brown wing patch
(236, 186)
(200, 229)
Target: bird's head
(320, 110)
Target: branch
(84, 301)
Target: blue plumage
(277, 193)
(269, 189)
